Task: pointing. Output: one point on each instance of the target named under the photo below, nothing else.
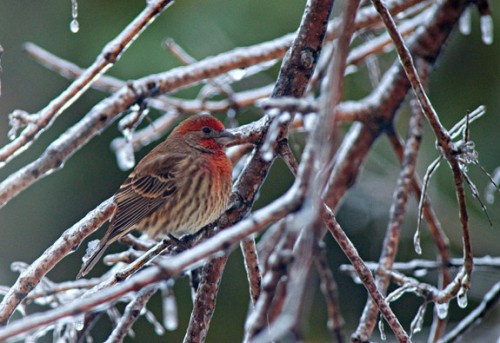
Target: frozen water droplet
(79, 322)
(492, 188)
(442, 310)
(12, 134)
(462, 298)
(357, 280)
(285, 117)
(464, 22)
(267, 156)
(309, 122)
(74, 26)
(418, 322)
(159, 330)
(420, 272)
(91, 248)
(150, 317)
(170, 318)
(125, 157)
(416, 242)
(273, 112)
(128, 134)
(237, 74)
(351, 69)
(486, 23)
(381, 329)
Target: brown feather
(183, 184)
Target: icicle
(91, 248)
(464, 22)
(492, 188)
(381, 329)
(350, 69)
(150, 317)
(237, 74)
(74, 26)
(309, 122)
(420, 272)
(79, 322)
(18, 266)
(19, 119)
(125, 157)
(442, 310)
(267, 151)
(486, 23)
(267, 155)
(462, 298)
(356, 279)
(416, 242)
(418, 321)
(170, 317)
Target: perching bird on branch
(182, 185)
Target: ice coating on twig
(272, 134)
(418, 322)
(91, 247)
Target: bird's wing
(151, 184)
(142, 193)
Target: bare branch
(41, 121)
(63, 246)
(490, 299)
(104, 113)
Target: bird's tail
(92, 260)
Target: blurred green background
(466, 76)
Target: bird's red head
(198, 122)
(204, 132)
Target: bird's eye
(206, 130)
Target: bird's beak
(225, 138)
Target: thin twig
(276, 267)
(104, 113)
(42, 120)
(163, 103)
(364, 274)
(417, 265)
(490, 299)
(252, 268)
(168, 267)
(447, 148)
(329, 288)
(296, 69)
(396, 217)
(131, 314)
(63, 246)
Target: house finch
(180, 186)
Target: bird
(179, 187)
